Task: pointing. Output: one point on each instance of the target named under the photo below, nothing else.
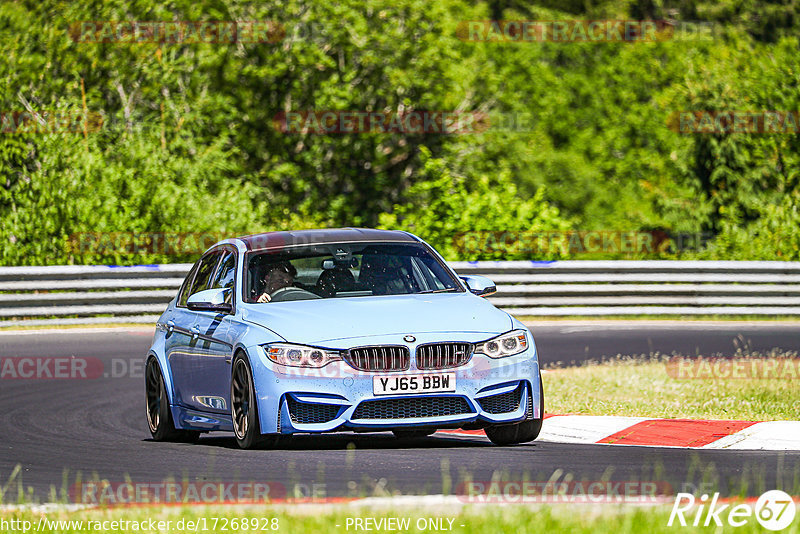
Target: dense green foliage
(189, 142)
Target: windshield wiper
(446, 290)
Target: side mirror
(212, 300)
(479, 285)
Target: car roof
(278, 240)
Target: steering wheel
(288, 292)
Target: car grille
(379, 358)
(412, 408)
(443, 355)
(307, 413)
(502, 403)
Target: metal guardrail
(596, 288)
(87, 294)
(102, 294)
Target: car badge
(409, 339)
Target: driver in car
(278, 276)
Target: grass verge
(534, 319)
(643, 387)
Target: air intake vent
(307, 413)
(503, 403)
(412, 408)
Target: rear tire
(521, 432)
(159, 415)
(244, 408)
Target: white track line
(766, 436)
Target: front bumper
(337, 397)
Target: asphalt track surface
(70, 430)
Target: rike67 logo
(774, 510)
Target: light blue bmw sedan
(336, 330)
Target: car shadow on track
(328, 442)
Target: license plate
(399, 384)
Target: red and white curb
(682, 433)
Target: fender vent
(530, 405)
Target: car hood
(325, 320)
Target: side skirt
(189, 419)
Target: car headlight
(300, 355)
(504, 345)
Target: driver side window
(204, 272)
(186, 287)
(225, 277)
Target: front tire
(521, 432)
(159, 415)
(244, 407)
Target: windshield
(344, 270)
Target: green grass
(533, 320)
(591, 519)
(641, 386)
